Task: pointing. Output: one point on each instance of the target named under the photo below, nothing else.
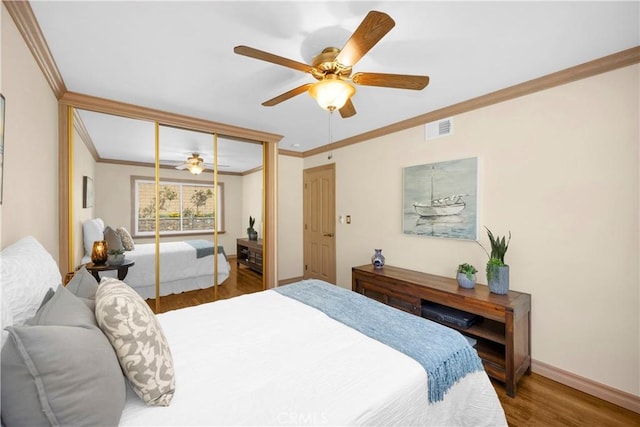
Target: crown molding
(83, 133)
(25, 20)
(578, 72)
(102, 105)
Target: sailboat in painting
(443, 206)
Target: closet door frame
(71, 100)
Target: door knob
(328, 234)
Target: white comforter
(180, 270)
(265, 359)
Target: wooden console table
(249, 253)
(503, 330)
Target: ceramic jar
(377, 259)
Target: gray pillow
(60, 369)
(84, 286)
(113, 239)
(60, 375)
(50, 293)
(135, 334)
(64, 309)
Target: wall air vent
(440, 128)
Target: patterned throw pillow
(127, 240)
(135, 334)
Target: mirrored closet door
(177, 236)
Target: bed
(184, 266)
(295, 355)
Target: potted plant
(466, 276)
(115, 256)
(251, 232)
(497, 270)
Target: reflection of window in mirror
(184, 207)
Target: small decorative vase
(253, 234)
(465, 282)
(377, 259)
(499, 279)
(99, 252)
(115, 259)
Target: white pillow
(28, 271)
(92, 230)
(7, 319)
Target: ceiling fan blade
(348, 109)
(181, 167)
(287, 95)
(399, 81)
(374, 26)
(270, 57)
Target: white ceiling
(178, 56)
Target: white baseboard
(599, 390)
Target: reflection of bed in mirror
(184, 266)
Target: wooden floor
(241, 281)
(539, 401)
(543, 402)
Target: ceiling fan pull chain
(330, 129)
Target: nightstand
(123, 269)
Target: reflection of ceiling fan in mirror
(194, 163)
(332, 68)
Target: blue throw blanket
(204, 248)
(444, 353)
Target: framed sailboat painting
(441, 199)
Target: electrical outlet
(348, 219)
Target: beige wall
(30, 182)
(84, 165)
(559, 169)
(252, 196)
(290, 248)
(2, 13)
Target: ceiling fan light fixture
(195, 168)
(331, 93)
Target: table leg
(122, 272)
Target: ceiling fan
(332, 68)
(194, 163)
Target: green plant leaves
(499, 246)
(468, 269)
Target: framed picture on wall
(441, 199)
(87, 192)
(1, 145)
